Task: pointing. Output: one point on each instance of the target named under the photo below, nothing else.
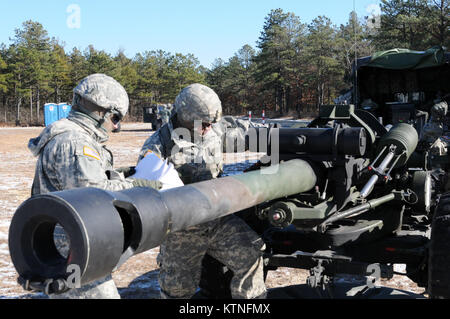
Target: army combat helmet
(101, 92)
(197, 102)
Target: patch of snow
(400, 268)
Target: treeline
(294, 68)
(298, 66)
(35, 69)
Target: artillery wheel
(439, 252)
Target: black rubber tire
(439, 252)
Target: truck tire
(439, 252)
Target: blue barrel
(50, 113)
(63, 110)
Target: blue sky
(208, 29)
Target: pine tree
(325, 71)
(59, 73)
(3, 76)
(182, 70)
(276, 59)
(243, 76)
(403, 25)
(99, 61)
(437, 22)
(216, 79)
(78, 66)
(126, 74)
(353, 43)
(28, 59)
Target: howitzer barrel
(343, 141)
(105, 228)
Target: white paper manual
(151, 167)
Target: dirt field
(137, 278)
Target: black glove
(147, 183)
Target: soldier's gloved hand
(439, 110)
(138, 182)
(127, 171)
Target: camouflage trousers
(229, 240)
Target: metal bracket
(317, 279)
(48, 286)
(325, 262)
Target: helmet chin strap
(91, 110)
(217, 116)
(105, 116)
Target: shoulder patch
(91, 153)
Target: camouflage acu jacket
(71, 155)
(202, 159)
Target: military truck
(381, 198)
(157, 115)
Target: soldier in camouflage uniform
(434, 129)
(164, 113)
(71, 154)
(229, 239)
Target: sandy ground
(137, 278)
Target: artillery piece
(387, 205)
(371, 207)
(339, 201)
